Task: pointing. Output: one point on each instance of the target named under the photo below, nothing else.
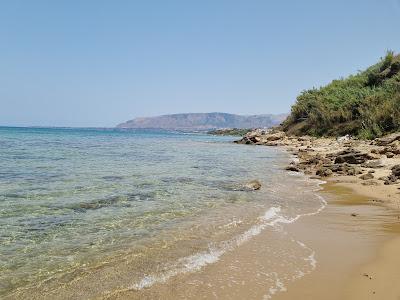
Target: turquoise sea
(124, 204)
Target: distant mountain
(204, 121)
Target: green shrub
(366, 104)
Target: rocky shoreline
(370, 167)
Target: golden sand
(356, 242)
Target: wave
(192, 263)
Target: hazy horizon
(115, 125)
(97, 63)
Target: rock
(375, 151)
(351, 156)
(253, 185)
(304, 138)
(396, 170)
(351, 171)
(391, 179)
(275, 136)
(354, 215)
(373, 164)
(324, 172)
(389, 154)
(367, 176)
(292, 168)
(271, 143)
(386, 140)
(393, 148)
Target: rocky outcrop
(335, 157)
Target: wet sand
(355, 240)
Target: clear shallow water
(73, 201)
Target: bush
(366, 104)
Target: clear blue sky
(98, 63)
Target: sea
(88, 213)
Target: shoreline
(372, 180)
(341, 242)
(349, 263)
(349, 249)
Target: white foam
(278, 287)
(311, 258)
(197, 261)
(234, 223)
(271, 213)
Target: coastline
(354, 240)
(370, 203)
(322, 253)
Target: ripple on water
(74, 200)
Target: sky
(98, 63)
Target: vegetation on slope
(366, 105)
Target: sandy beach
(356, 237)
(354, 240)
(356, 254)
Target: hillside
(204, 121)
(366, 105)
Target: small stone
(253, 185)
(292, 168)
(389, 154)
(366, 176)
(324, 172)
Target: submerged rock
(253, 185)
